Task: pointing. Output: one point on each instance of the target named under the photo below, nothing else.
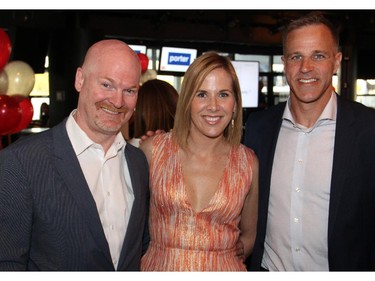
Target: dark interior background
(64, 35)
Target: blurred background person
(44, 115)
(155, 110)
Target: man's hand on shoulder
(150, 134)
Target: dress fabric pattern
(181, 238)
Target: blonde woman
(203, 182)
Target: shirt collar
(329, 112)
(81, 141)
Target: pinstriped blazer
(48, 217)
(351, 223)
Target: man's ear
(338, 58)
(79, 79)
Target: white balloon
(21, 78)
(148, 75)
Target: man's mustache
(110, 107)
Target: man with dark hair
(316, 163)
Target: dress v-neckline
(218, 189)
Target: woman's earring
(233, 119)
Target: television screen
(248, 75)
(139, 48)
(176, 59)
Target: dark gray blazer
(351, 229)
(48, 217)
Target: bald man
(76, 196)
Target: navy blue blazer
(351, 229)
(48, 217)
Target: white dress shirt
(108, 178)
(297, 226)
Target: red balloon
(5, 48)
(144, 61)
(27, 110)
(10, 114)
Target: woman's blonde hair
(193, 79)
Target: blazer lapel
(134, 221)
(70, 169)
(344, 142)
(265, 144)
(269, 143)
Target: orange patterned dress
(185, 240)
